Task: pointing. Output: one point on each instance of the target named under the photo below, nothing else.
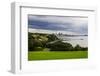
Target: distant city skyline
(63, 24)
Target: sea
(75, 40)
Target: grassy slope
(42, 55)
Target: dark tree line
(38, 41)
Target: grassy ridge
(42, 55)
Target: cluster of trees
(61, 46)
(37, 41)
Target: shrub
(60, 46)
(38, 49)
(77, 48)
(30, 42)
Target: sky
(64, 24)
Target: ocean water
(75, 40)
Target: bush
(60, 46)
(84, 49)
(37, 43)
(38, 49)
(30, 42)
(33, 42)
(77, 48)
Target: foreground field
(42, 55)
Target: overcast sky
(78, 25)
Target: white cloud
(67, 24)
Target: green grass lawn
(44, 55)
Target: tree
(52, 37)
(77, 48)
(37, 43)
(60, 46)
(30, 42)
(84, 48)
